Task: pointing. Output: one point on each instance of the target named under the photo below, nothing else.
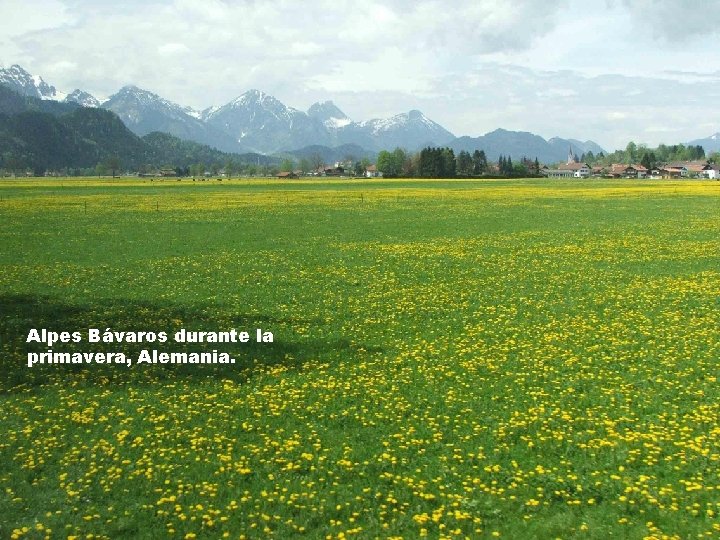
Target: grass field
(522, 359)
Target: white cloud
(169, 49)
(22, 18)
(676, 20)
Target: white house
(576, 170)
(711, 171)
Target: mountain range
(258, 122)
(42, 135)
(144, 112)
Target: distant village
(574, 168)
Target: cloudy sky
(608, 70)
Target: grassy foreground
(522, 359)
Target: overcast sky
(610, 71)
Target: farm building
(334, 171)
(568, 170)
(621, 170)
(689, 169)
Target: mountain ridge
(143, 112)
(710, 143)
(45, 135)
(259, 122)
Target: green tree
(479, 162)
(412, 165)
(385, 163)
(464, 163)
(432, 163)
(390, 163)
(400, 158)
(101, 169)
(198, 169)
(646, 161)
(358, 169)
(304, 165)
(317, 162)
(230, 168)
(112, 164)
(631, 152)
(449, 165)
(520, 170)
(287, 165)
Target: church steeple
(571, 156)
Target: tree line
(437, 162)
(649, 158)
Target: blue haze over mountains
(258, 122)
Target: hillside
(50, 136)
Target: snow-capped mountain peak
(144, 112)
(328, 113)
(264, 123)
(133, 104)
(250, 106)
(255, 97)
(256, 119)
(402, 120)
(26, 84)
(82, 98)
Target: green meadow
(450, 359)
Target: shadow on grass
(21, 313)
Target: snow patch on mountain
(337, 123)
(26, 84)
(400, 121)
(82, 98)
(329, 114)
(194, 113)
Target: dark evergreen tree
(645, 161)
(448, 163)
(479, 162)
(509, 166)
(464, 163)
